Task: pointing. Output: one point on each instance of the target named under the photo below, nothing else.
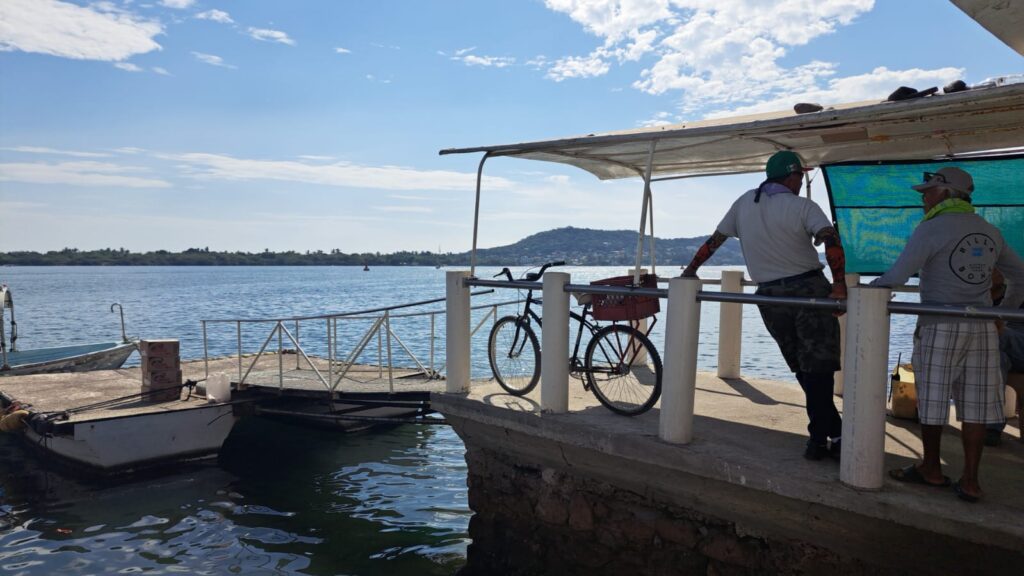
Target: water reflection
(281, 500)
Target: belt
(788, 279)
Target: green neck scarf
(950, 206)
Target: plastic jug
(218, 388)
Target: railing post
(297, 346)
(641, 324)
(457, 331)
(679, 381)
(554, 363)
(730, 327)
(866, 358)
(837, 389)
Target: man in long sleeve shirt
(955, 252)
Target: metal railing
(339, 364)
(865, 353)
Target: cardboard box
(159, 348)
(161, 378)
(160, 363)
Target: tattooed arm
(705, 252)
(836, 258)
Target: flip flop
(959, 491)
(911, 475)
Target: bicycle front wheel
(623, 370)
(514, 353)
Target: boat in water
(75, 358)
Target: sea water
(281, 499)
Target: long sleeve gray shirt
(955, 255)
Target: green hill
(577, 246)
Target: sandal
(961, 494)
(911, 475)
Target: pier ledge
(590, 492)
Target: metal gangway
(378, 357)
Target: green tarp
(875, 210)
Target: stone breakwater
(531, 521)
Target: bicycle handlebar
(530, 276)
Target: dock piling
(866, 358)
(730, 327)
(679, 380)
(457, 331)
(554, 367)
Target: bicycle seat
(532, 276)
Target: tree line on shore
(576, 246)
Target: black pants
(824, 421)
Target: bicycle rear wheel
(623, 370)
(514, 353)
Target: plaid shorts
(958, 360)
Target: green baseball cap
(783, 163)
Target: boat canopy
(939, 128)
(922, 128)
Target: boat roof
(1005, 20)
(937, 126)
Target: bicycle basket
(620, 307)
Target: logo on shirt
(972, 258)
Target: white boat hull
(122, 444)
(108, 358)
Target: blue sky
(316, 124)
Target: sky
(316, 124)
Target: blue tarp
(875, 210)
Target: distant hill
(577, 246)
(587, 247)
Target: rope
(42, 422)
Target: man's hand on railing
(838, 293)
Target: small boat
(76, 358)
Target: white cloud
(341, 50)
(721, 53)
(127, 67)
(215, 16)
(267, 35)
(160, 71)
(465, 56)
(577, 67)
(84, 173)
(66, 30)
(342, 174)
(178, 4)
(212, 60)
(43, 150)
(410, 209)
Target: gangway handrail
(334, 315)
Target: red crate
(621, 307)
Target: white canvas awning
(940, 125)
(1004, 19)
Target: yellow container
(903, 397)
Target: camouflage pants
(808, 338)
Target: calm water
(281, 499)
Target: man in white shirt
(775, 226)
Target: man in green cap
(775, 227)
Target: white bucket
(218, 388)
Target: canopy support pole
(476, 214)
(643, 214)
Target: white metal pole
(554, 364)
(730, 327)
(837, 389)
(679, 381)
(457, 331)
(867, 359)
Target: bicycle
(621, 366)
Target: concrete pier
(590, 492)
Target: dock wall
(552, 495)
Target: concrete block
(160, 363)
(159, 348)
